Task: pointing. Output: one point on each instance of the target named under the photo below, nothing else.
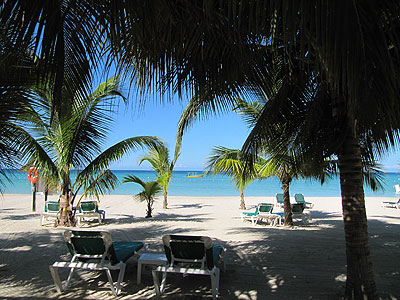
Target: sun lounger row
(391, 204)
(264, 211)
(86, 210)
(95, 251)
(298, 198)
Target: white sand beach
(262, 262)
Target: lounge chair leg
(69, 278)
(215, 283)
(156, 281)
(111, 282)
(99, 218)
(56, 279)
(120, 277)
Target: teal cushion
(217, 250)
(124, 250)
(249, 213)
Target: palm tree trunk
(242, 203)
(149, 209)
(360, 283)
(165, 204)
(286, 202)
(65, 217)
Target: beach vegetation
(218, 49)
(150, 190)
(351, 110)
(71, 139)
(161, 163)
(65, 36)
(18, 71)
(230, 162)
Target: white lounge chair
(264, 212)
(299, 213)
(391, 204)
(190, 255)
(279, 200)
(90, 209)
(51, 210)
(95, 251)
(299, 198)
(397, 188)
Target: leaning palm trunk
(165, 204)
(242, 203)
(360, 283)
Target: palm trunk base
(165, 203)
(242, 203)
(360, 282)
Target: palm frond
(100, 185)
(231, 162)
(115, 152)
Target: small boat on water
(194, 175)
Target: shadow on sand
(260, 269)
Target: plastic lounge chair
(298, 212)
(95, 251)
(51, 209)
(299, 198)
(391, 204)
(265, 213)
(279, 200)
(252, 215)
(190, 255)
(90, 209)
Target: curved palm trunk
(360, 283)
(242, 203)
(165, 204)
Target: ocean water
(215, 185)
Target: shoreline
(263, 262)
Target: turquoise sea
(214, 185)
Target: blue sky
(161, 119)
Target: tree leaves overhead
(66, 37)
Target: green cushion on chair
(92, 243)
(249, 213)
(217, 250)
(124, 250)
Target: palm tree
(150, 190)
(216, 48)
(16, 79)
(231, 162)
(68, 49)
(159, 159)
(73, 139)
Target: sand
(262, 262)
